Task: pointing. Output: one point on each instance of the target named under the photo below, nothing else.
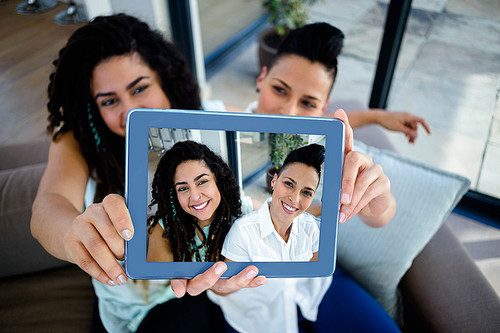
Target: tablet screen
(200, 187)
(197, 189)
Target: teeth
(289, 208)
(201, 206)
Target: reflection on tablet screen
(205, 206)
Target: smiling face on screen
(197, 191)
(293, 192)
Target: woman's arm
(92, 239)
(159, 247)
(60, 195)
(394, 121)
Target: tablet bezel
(139, 121)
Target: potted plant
(281, 144)
(284, 15)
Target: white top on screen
(253, 238)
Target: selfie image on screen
(233, 196)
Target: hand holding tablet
(187, 248)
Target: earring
(93, 129)
(257, 90)
(172, 202)
(174, 216)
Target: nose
(290, 108)
(196, 195)
(126, 106)
(294, 197)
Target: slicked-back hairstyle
(312, 155)
(70, 99)
(179, 226)
(317, 42)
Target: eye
(201, 182)
(279, 90)
(139, 89)
(307, 193)
(308, 104)
(288, 184)
(182, 189)
(108, 102)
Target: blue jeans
(346, 307)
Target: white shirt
(253, 238)
(273, 306)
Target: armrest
(445, 291)
(22, 154)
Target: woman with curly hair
(197, 197)
(108, 67)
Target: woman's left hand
(210, 279)
(365, 188)
(402, 122)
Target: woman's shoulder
(66, 142)
(307, 219)
(213, 105)
(247, 205)
(247, 219)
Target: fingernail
(342, 218)
(122, 280)
(259, 283)
(111, 283)
(251, 274)
(219, 269)
(345, 198)
(127, 234)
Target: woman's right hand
(96, 239)
(210, 279)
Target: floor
(28, 45)
(448, 72)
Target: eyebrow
(195, 179)
(288, 87)
(293, 181)
(130, 85)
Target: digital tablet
(181, 238)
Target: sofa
(442, 291)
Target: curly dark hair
(180, 227)
(71, 105)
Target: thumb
(178, 286)
(341, 115)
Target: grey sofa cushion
(378, 258)
(21, 253)
(444, 290)
(22, 154)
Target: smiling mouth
(201, 206)
(288, 209)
